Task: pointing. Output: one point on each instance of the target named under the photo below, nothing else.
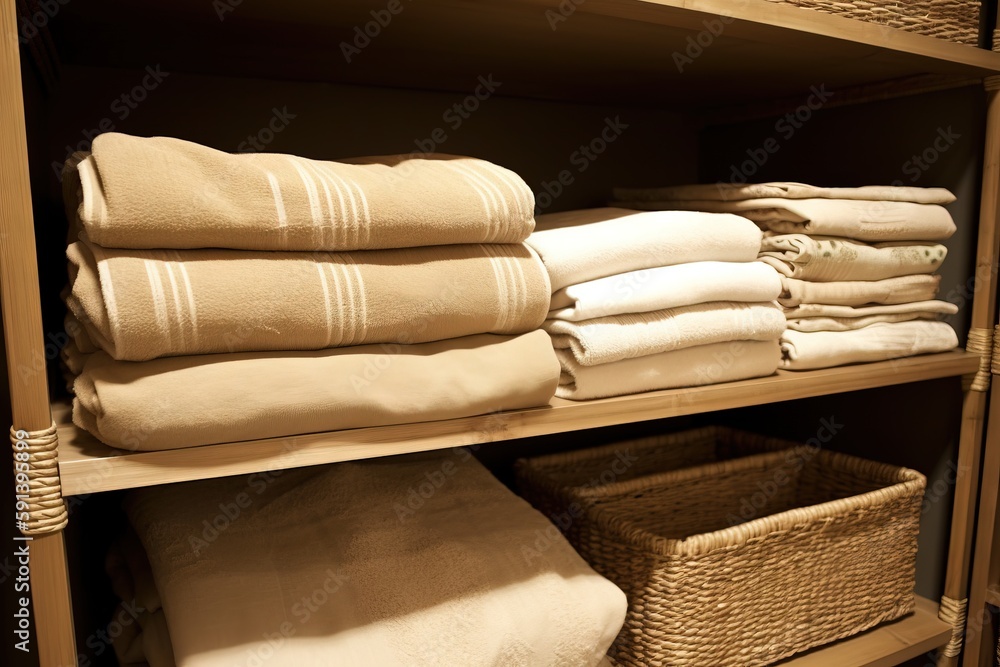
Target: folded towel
(878, 342)
(361, 564)
(126, 634)
(160, 192)
(608, 339)
(188, 401)
(806, 310)
(142, 304)
(852, 323)
(902, 289)
(855, 219)
(666, 287)
(690, 367)
(785, 190)
(577, 246)
(834, 259)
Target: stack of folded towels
(657, 300)
(857, 264)
(356, 564)
(217, 297)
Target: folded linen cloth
(823, 259)
(878, 342)
(608, 339)
(142, 304)
(902, 289)
(357, 564)
(855, 219)
(785, 190)
(935, 307)
(577, 246)
(852, 323)
(188, 401)
(691, 367)
(160, 192)
(666, 287)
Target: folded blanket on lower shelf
(785, 190)
(826, 259)
(138, 305)
(577, 246)
(417, 561)
(690, 367)
(878, 342)
(902, 289)
(187, 401)
(609, 339)
(823, 317)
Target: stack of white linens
(356, 564)
(657, 300)
(857, 264)
(217, 297)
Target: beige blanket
(878, 342)
(825, 259)
(856, 219)
(417, 561)
(785, 190)
(666, 287)
(690, 367)
(188, 401)
(609, 339)
(577, 246)
(159, 192)
(902, 289)
(142, 304)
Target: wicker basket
(748, 561)
(952, 20)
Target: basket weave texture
(952, 20)
(746, 561)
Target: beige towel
(690, 367)
(666, 287)
(825, 259)
(902, 289)
(160, 192)
(578, 246)
(785, 190)
(852, 323)
(409, 562)
(609, 339)
(824, 310)
(878, 342)
(142, 304)
(188, 401)
(863, 220)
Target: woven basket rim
(900, 482)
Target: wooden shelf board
(606, 50)
(87, 466)
(884, 646)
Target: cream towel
(666, 287)
(160, 192)
(690, 367)
(139, 305)
(824, 310)
(859, 292)
(853, 323)
(409, 562)
(878, 342)
(578, 246)
(188, 401)
(826, 259)
(785, 190)
(855, 219)
(609, 339)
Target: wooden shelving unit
(619, 51)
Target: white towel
(618, 337)
(578, 246)
(902, 289)
(690, 367)
(826, 259)
(666, 287)
(785, 190)
(409, 562)
(878, 342)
